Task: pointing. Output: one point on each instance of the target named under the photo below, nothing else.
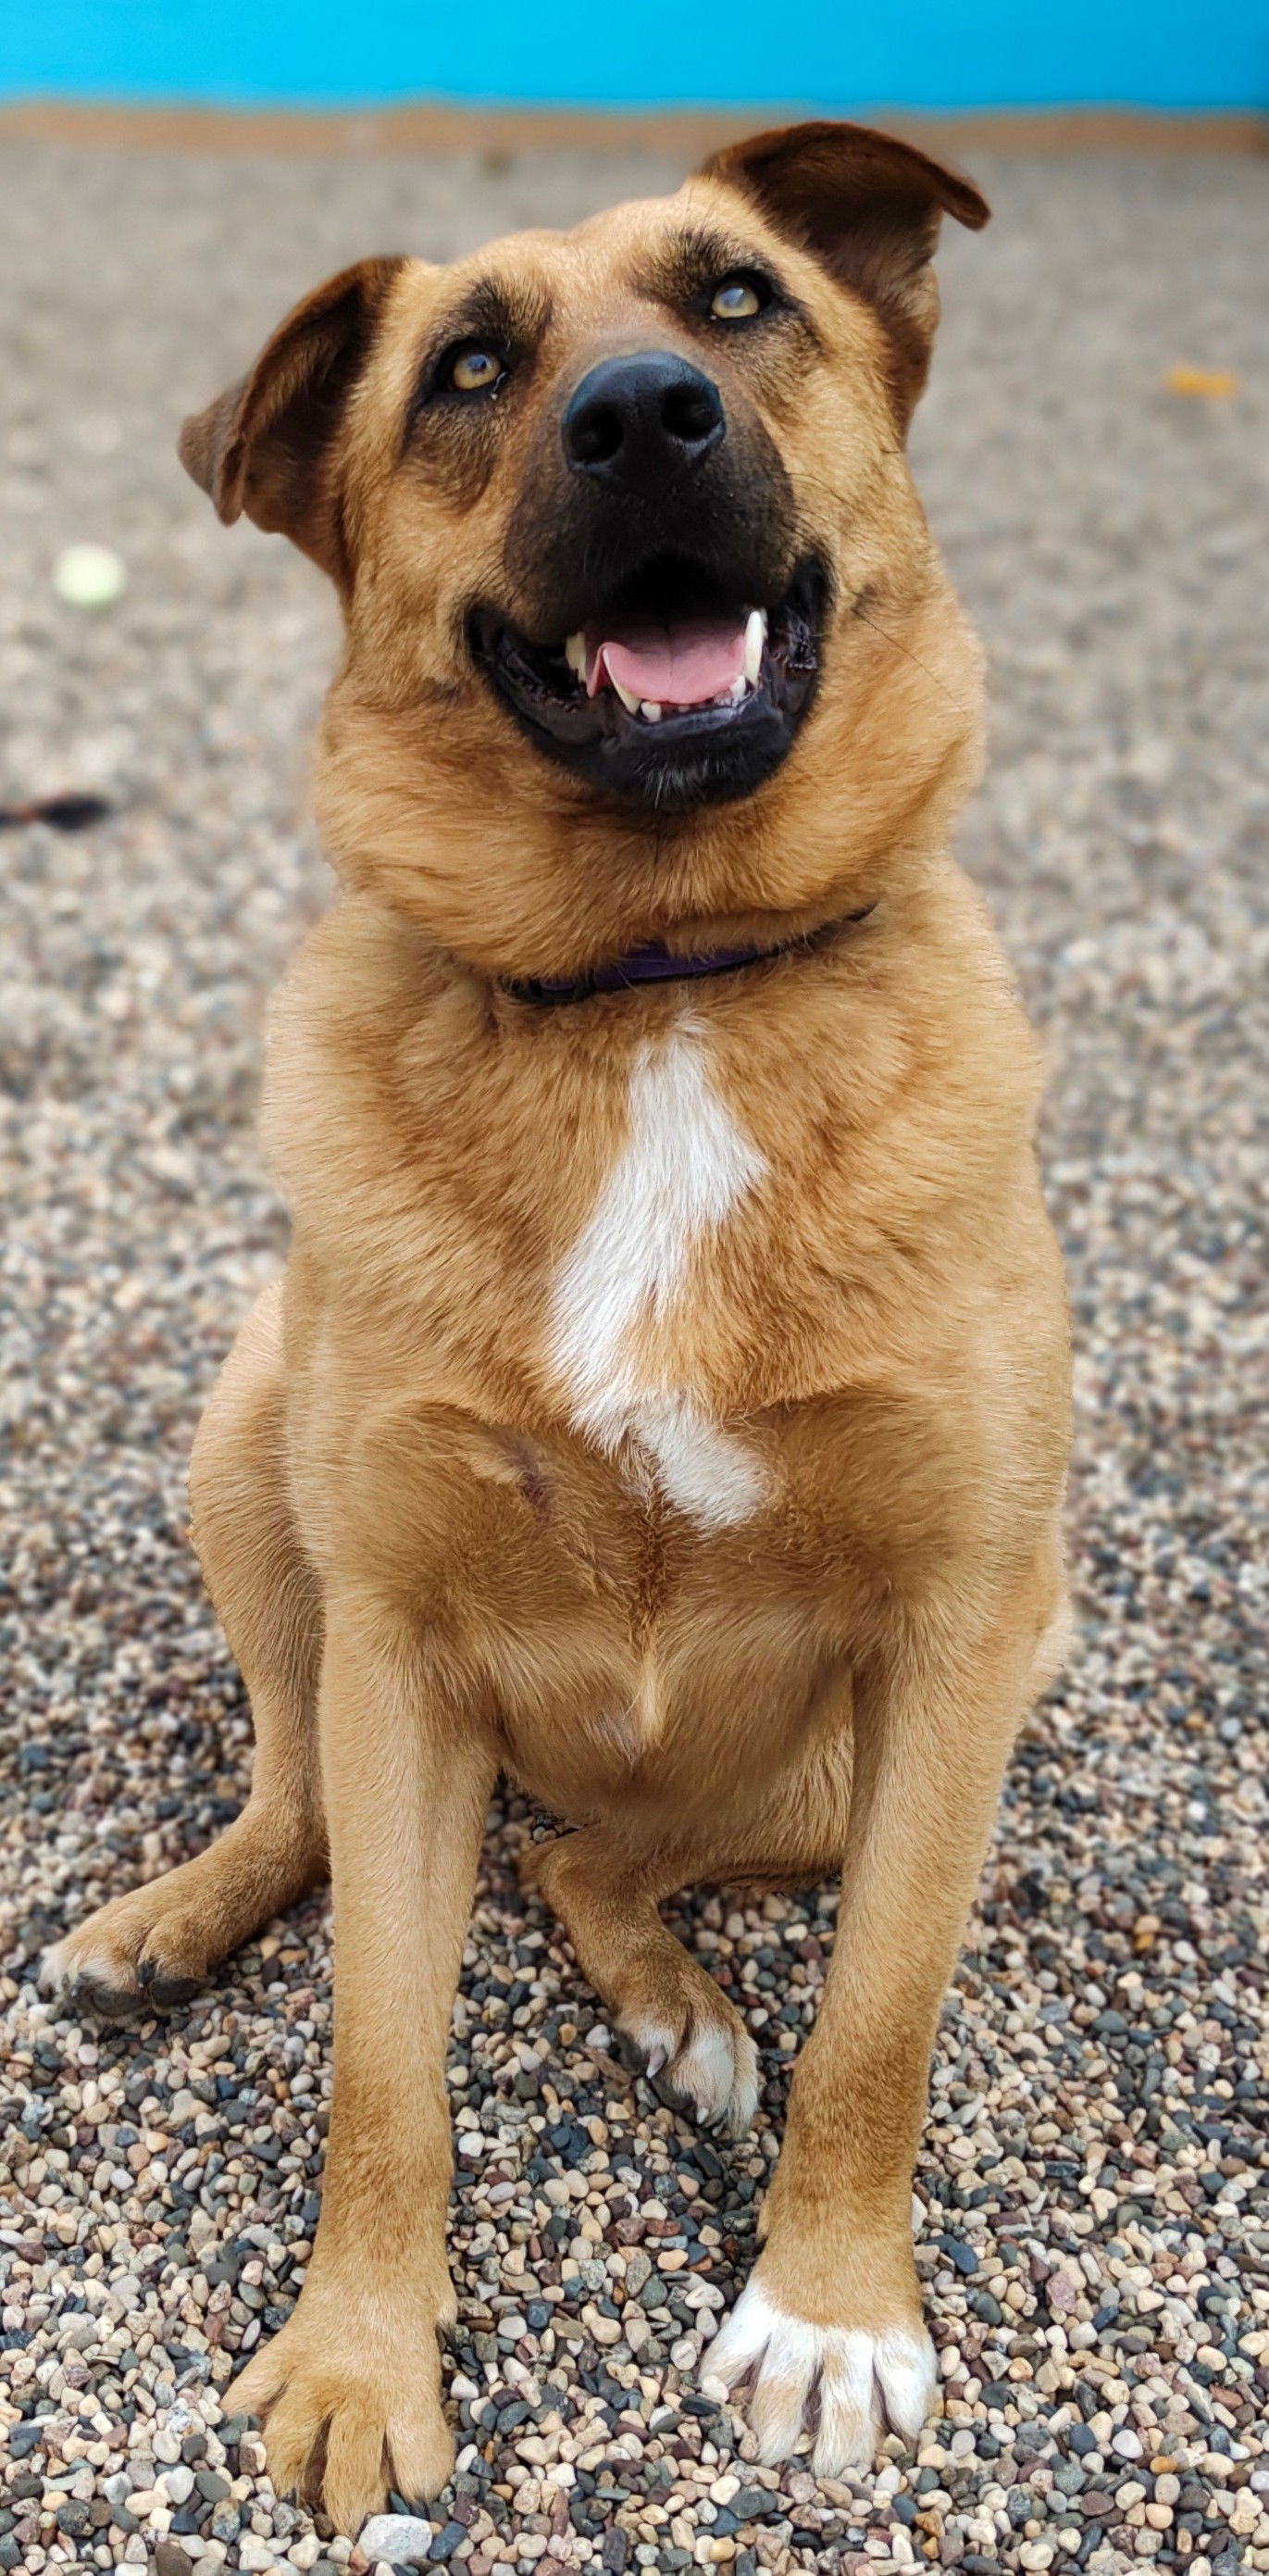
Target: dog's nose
(644, 415)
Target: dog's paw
(349, 2400)
(707, 2061)
(140, 1954)
(847, 2384)
(671, 2021)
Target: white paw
(62, 1968)
(714, 2066)
(851, 2383)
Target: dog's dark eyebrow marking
(681, 268)
(511, 317)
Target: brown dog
(666, 1400)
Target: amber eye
(736, 299)
(476, 371)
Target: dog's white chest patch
(684, 1166)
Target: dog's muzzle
(668, 645)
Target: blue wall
(836, 53)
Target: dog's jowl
(666, 1399)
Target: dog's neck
(653, 963)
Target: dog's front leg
(350, 2389)
(830, 2325)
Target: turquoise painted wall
(832, 53)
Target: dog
(666, 1402)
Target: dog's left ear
(869, 207)
(267, 446)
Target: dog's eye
(738, 298)
(473, 370)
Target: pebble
(1091, 2230)
(403, 2539)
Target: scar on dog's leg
(606, 1895)
(829, 2327)
(157, 1944)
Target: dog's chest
(629, 1309)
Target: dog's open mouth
(669, 693)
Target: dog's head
(625, 534)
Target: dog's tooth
(651, 710)
(575, 655)
(627, 696)
(755, 642)
(738, 689)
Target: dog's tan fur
(426, 1570)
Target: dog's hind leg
(662, 2001)
(606, 1892)
(157, 1944)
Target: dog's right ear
(267, 446)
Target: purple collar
(653, 963)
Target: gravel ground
(1092, 2221)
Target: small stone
(405, 2540)
(170, 2559)
(448, 2539)
(753, 2504)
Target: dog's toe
(165, 1989)
(89, 1981)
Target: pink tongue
(682, 665)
